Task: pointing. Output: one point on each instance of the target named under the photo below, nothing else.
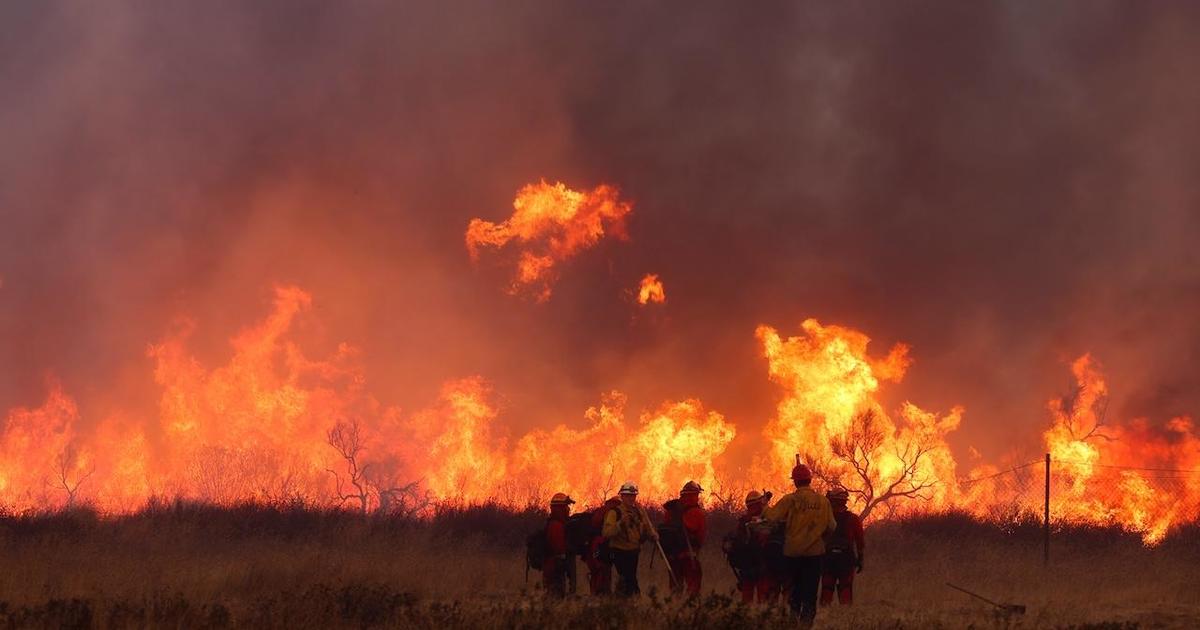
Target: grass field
(191, 566)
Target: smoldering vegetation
(176, 564)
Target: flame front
(274, 424)
(550, 224)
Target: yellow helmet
(754, 497)
(561, 499)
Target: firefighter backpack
(579, 533)
(670, 532)
(535, 550)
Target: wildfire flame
(651, 290)
(275, 424)
(1120, 473)
(550, 223)
(830, 415)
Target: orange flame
(1120, 473)
(550, 223)
(829, 414)
(274, 424)
(651, 290)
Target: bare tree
(854, 465)
(345, 438)
(372, 483)
(729, 496)
(1069, 406)
(67, 475)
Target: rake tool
(1011, 609)
(658, 545)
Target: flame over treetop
(550, 223)
(830, 415)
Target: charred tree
(854, 465)
(346, 439)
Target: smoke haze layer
(1003, 187)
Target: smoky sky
(1004, 186)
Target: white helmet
(628, 488)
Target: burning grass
(292, 566)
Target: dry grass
(190, 566)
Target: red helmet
(801, 473)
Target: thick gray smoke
(1004, 186)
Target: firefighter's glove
(766, 495)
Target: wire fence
(1146, 500)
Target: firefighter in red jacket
(694, 526)
(554, 567)
(599, 558)
(843, 551)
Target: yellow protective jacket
(807, 517)
(626, 528)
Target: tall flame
(829, 414)
(275, 424)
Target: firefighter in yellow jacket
(626, 528)
(806, 517)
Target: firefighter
(554, 567)
(806, 517)
(747, 552)
(692, 525)
(843, 551)
(626, 528)
(599, 557)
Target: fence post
(1046, 518)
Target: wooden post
(1046, 517)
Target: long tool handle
(975, 595)
(666, 562)
(658, 545)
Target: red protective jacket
(556, 533)
(849, 532)
(695, 521)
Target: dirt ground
(187, 566)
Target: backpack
(670, 532)
(738, 553)
(839, 540)
(579, 533)
(776, 562)
(535, 550)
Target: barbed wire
(1138, 468)
(998, 474)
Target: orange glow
(1088, 448)
(651, 290)
(829, 414)
(274, 424)
(550, 224)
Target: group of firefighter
(803, 543)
